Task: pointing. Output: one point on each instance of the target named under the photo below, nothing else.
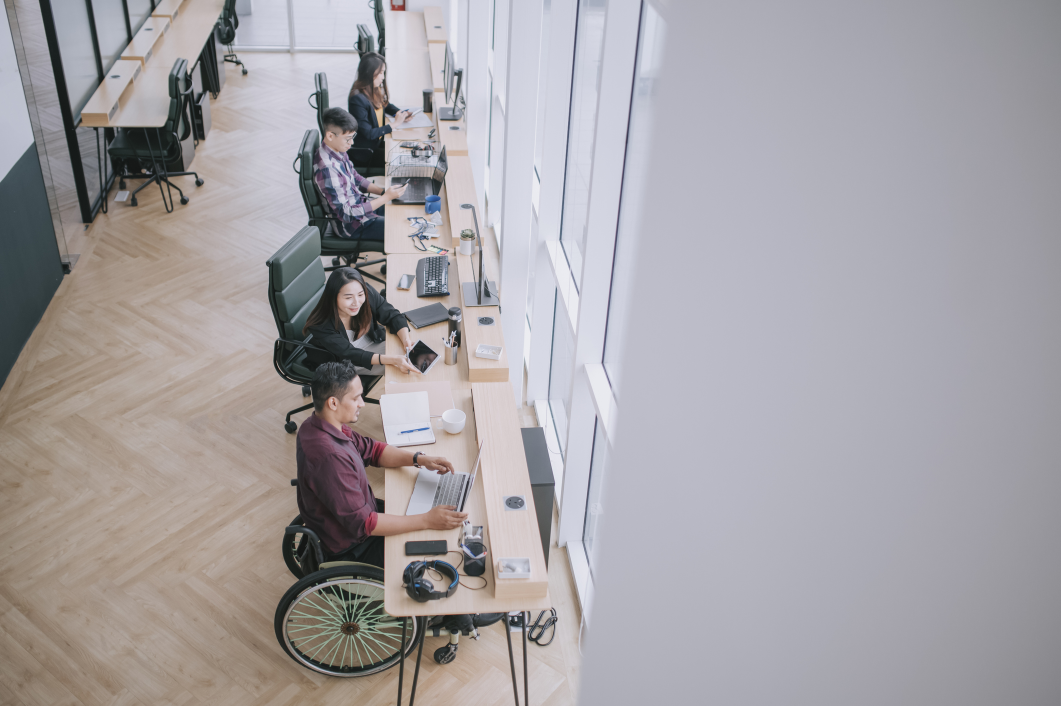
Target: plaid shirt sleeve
(339, 191)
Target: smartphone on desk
(428, 548)
(406, 281)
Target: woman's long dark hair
(366, 76)
(327, 308)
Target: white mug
(453, 420)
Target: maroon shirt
(334, 497)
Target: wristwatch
(416, 456)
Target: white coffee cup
(453, 420)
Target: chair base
(231, 58)
(349, 261)
(157, 178)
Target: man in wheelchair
(334, 497)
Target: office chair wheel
(306, 390)
(244, 70)
(290, 427)
(383, 268)
(199, 182)
(335, 262)
(121, 184)
(445, 655)
(133, 201)
(184, 200)
(333, 622)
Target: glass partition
(74, 34)
(139, 11)
(111, 31)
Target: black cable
(541, 627)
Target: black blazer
(338, 345)
(369, 133)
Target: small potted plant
(467, 246)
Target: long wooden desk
(143, 100)
(489, 406)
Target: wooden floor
(143, 464)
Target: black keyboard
(432, 276)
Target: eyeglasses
(348, 139)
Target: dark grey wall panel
(30, 270)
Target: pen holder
(451, 355)
(475, 567)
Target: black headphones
(421, 589)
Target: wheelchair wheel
(333, 622)
(293, 548)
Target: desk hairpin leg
(511, 659)
(401, 661)
(416, 672)
(99, 164)
(526, 687)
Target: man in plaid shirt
(341, 185)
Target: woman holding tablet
(348, 322)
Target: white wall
(839, 480)
(16, 135)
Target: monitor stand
(469, 295)
(445, 113)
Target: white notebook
(407, 419)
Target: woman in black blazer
(368, 102)
(348, 323)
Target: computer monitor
(480, 292)
(452, 97)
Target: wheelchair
(332, 619)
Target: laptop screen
(471, 480)
(441, 167)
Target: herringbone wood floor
(143, 464)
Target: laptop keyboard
(416, 191)
(449, 490)
(436, 275)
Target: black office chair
(318, 100)
(346, 250)
(296, 281)
(226, 33)
(377, 12)
(365, 42)
(150, 151)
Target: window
(589, 43)
(543, 66)
(635, 168)
(562, 362)
(594, 506)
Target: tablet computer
(422, 357)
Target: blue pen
(410, 431)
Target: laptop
(421, 187)
(432, 489)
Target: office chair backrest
(320, 96)
(178, 121)
(228, 23)
(296, 282)
(316, 208)
(377, 11)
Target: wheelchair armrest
(314, 540)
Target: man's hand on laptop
(444, 517)
(435, 463)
